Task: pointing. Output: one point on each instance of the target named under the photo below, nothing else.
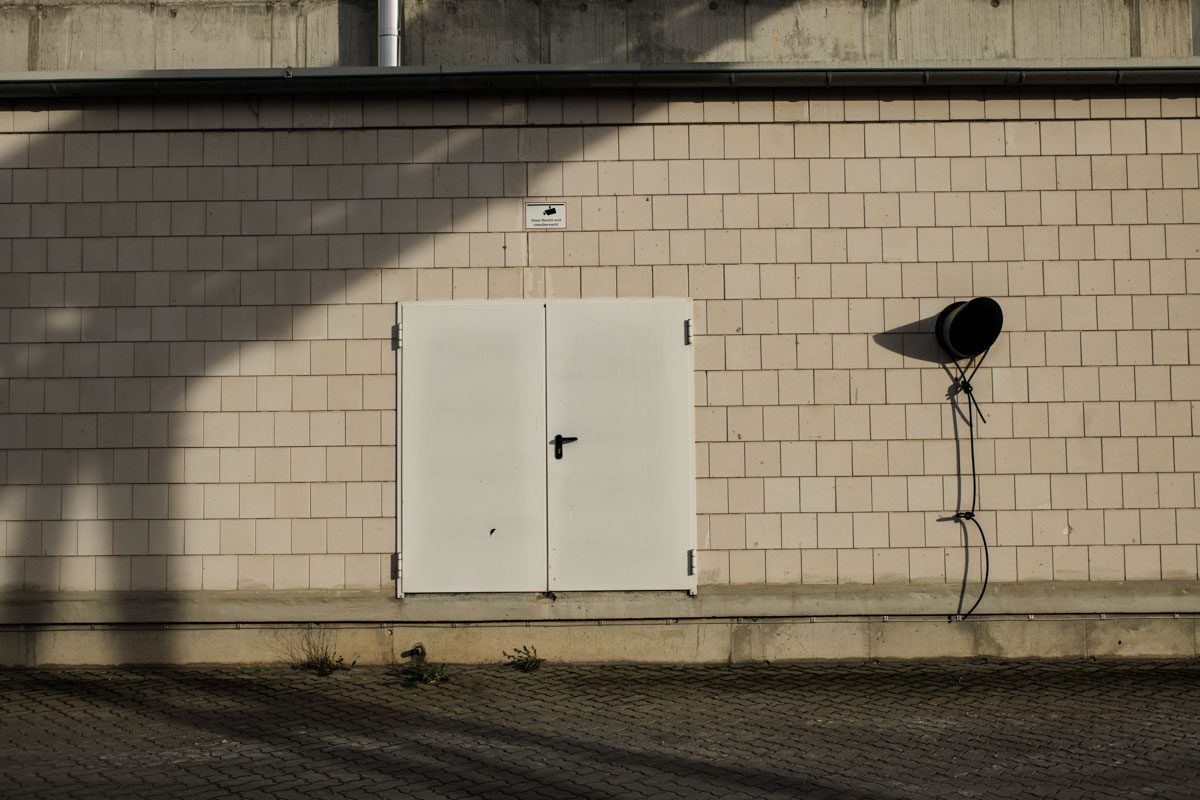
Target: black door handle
(559, 441)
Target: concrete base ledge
(686, 642)
(719, 625)
(712, 602)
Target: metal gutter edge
(159, 83)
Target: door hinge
(691, 562)
(396, 332)
(395, 566)
(687, 331)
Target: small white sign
(543, 216)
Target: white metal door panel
(620, 500)
(473, 458)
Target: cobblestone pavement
(1080, 730)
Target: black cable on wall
(962, 385)
(966, 331)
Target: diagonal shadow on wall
(138, 293)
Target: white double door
(545, 446)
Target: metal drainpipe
(389, 33)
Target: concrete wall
(882, 31)
(195, 303)
(64, 35)
(96, 34)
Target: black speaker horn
(967, 328)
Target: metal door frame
(398, 347)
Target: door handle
(559, 441)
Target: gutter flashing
(165, 83)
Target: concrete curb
(684, 642)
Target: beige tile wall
(195, 301)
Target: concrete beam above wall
(482, 32)
(77, 35)
(134, 34)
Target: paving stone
(852, 731)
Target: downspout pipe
(389, 33)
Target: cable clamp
(961, 515)
(963, 386)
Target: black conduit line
(962, 384)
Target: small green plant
(325, 665)
(315, 649)
(524, 658)
(418, 671)
(420, 674)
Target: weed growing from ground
(418, 671)
(524, 658)
(419, 674)
(314, 649)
